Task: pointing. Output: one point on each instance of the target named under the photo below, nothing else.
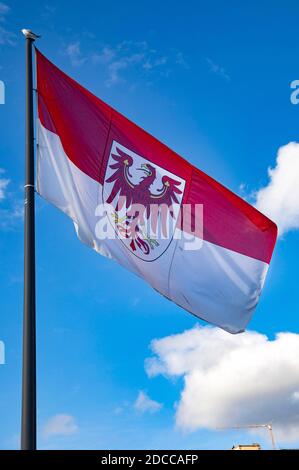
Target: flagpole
(28, 430)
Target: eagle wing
(164, 200)
(123, 186)
(168, 193)
(155, 205)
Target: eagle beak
(145, 168)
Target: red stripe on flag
(87, 126)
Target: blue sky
(212, 80)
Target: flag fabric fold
(133, 199)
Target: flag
(136, 201)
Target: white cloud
(6, 36)
(218, 70)
(11, 217)
(149, 65)
(104, 57)
(145, 404)
(279, 200)
(48, 12)
(123, 59)
(120, 59)
(232, 380)
(180, 60)
(3, 184)
(4, 9)
(134, 55)
(73, 51)
(12, 210)
(114, 69)
(60, 425)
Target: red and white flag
(133, 199)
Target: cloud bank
(127, 56)
(232, 380)
(7, 37)
(60, 425)
(279, 200)
(4, 182)
(145, 404)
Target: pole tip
(29, 34)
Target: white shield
(143, 202)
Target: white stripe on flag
(214, 283)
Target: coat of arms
(144, 201)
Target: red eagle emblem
(142, 200)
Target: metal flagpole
(28, 431)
